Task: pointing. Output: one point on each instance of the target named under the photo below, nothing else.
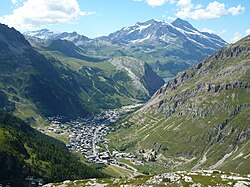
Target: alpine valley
(76, 111)
(58, 79)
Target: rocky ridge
(179, 178)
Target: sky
(230, 19)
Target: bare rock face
(143, 77)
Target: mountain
(45, 34)
(26, 152)
(160, 32)
(142, 76)
(124, 73)
(57, 78)
(169, 48)
(73, 37)
(30, 79)
(198, 120)
(69, 49)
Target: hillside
(30, 80)
(26, 152)
(59, 79)
(114, 78)
(200, 119)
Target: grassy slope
(196, 128)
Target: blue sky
(228, 18)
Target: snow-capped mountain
(43, 34)
(156, 31)
(178, 33)
(73, 37)
(46, 34)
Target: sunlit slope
(201, 119)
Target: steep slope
(169, 48)
(142, 76)
(28, 78)
(61, 80)
(200, 119)
(68, 49)
(26, 152)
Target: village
(87, 135)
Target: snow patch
(221, 161)
(141, 40)
(238, 156)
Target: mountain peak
(182, 24)
(42, 34)
(43, 30)
(155, 21)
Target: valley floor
(87, 137)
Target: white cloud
(236, 37)
(155, 3)
(207, 30)
(236, 10)
(35, 14)
(14, 1)
(248, 31)
(220, 33)
(17, 2)
(185, 7)
(214, 10)
(171, 18)
(198, 6)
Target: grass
(194, 127)
(117, 172)
(198, 178)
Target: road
(94, 142)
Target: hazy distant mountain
(44, 34)
(168, 47)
